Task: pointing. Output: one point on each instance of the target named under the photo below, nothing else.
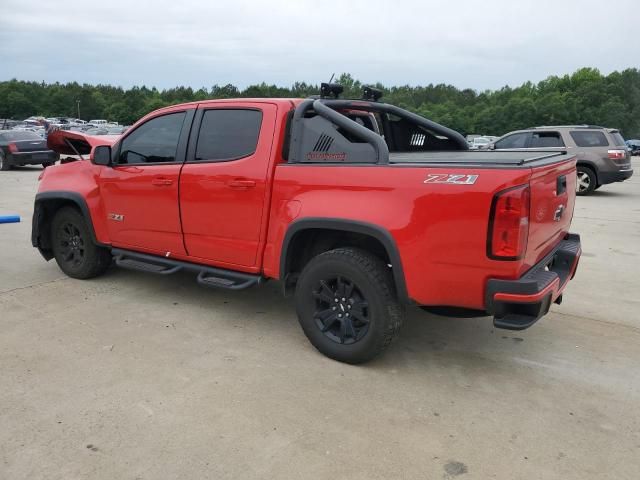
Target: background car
(21, 147)
(479, 143)
(634, 146)
(602, 153)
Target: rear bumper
(617, 176)
(33, 158)
(518, 304)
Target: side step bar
(207, 276)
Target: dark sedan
(18, 147)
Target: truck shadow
(426, 339)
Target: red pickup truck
(358, 207)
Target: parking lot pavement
(133, 376)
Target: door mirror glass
(102, 155)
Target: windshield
(19, 135)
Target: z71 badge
(451, 178)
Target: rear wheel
(74, 250)
(347, 305)
(4, 163)
(586, 181)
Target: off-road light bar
(330, 90)
(372, 94)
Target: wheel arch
(328, 229)
(45, 207)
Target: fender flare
(40, 217)
(355, 226)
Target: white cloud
(166, 43)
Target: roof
(278, 101)
(566, 126)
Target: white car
(479, 143)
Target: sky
(479, 45)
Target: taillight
(13, 148)
(509, 224)
(617, 154)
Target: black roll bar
(402, 113)
(326, 108)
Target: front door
(224, 183)
(140, 192)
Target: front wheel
(73, 248)
(586, 181)
(347, 305)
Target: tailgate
(553, 188)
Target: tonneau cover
(487, 157)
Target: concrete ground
(133, 376)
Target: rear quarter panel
(440, 229)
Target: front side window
(589, 138)
(228, 134)
(155, 141)
(517, 140)
(546, 140)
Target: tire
(73, 248)
(366, 316)
(586, 181)
(4, 164)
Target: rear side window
(546, 140)
(517, 140)
(228, 134)
(618, 140)
(589, 138)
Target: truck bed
(512, 158)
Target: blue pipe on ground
(9, 218)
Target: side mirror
(102, 155)
(492, 146)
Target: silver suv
(602, 154)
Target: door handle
(242, 183)
(161, 181)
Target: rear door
(223, 185)
(140, 192)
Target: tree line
(584, 97)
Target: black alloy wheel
(71, 245)
(342, 312)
